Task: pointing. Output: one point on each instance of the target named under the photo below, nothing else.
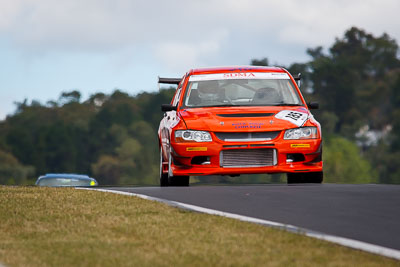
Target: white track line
(388, 252)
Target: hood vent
(245, 115)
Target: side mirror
(167, 107)
(313, 105)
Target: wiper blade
(229, 105)
(286, 104)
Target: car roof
(235, 69)
(66, 175)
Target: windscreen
(64, 182)
(241, 89)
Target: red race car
(238, 120)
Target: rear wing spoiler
(169, 80)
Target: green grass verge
(68, 227)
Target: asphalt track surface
(368, 213)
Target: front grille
(247, 136)
(237, 158)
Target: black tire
(166, 179)
(305, 178)
(178, 181)
(163, 176)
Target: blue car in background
(65, 180)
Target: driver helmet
(208, 90)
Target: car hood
(244, 119)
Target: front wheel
(168, 179)
(163, 176)
(305, 177)
(178, 181)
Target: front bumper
(290, 156)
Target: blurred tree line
(114, 137)
(111, 137)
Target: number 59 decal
(295, 117)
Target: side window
(178, 93)
(177, 96)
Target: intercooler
(246, 136)
(237, 158)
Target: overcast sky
(50, 46)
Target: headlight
(192, 136)
(301, 133)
